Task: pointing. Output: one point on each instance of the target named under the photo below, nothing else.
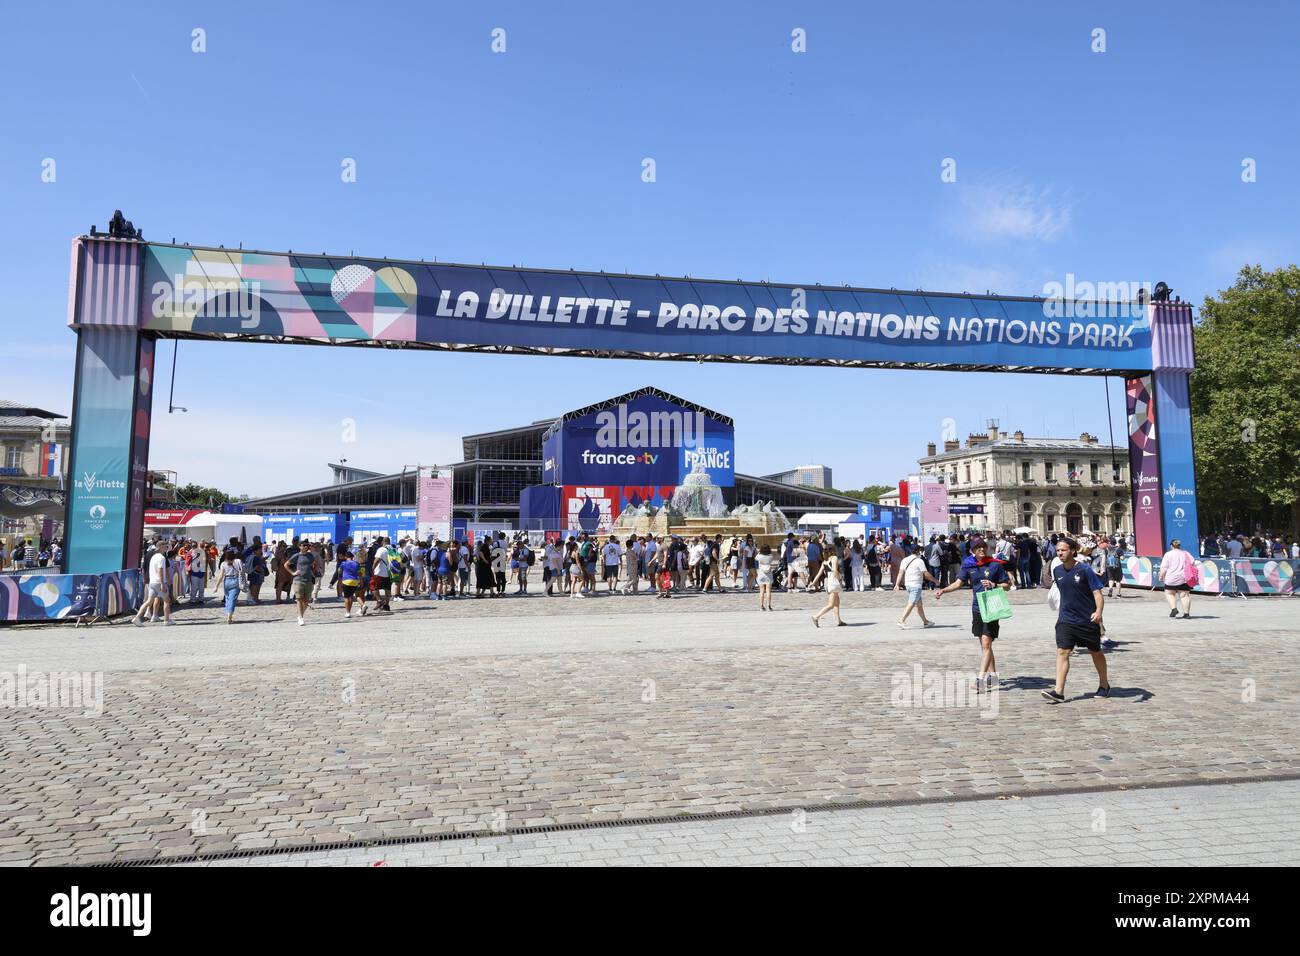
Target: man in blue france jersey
(1078, 624)
(981, 573)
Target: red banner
(590, 509)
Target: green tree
(1246, 401)
(205, 497)
(869, 493)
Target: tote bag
(994, 605)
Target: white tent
(823, 520)
(211, 526)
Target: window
(984, 471)
(13, 456)
(1072, 470)
(1026, 471)
(1096, 472)
(968, 473)
(1096, 522)
(1050, 520)
(1049, 469)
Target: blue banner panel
(99, 480)
(365, 526)
(315, 526)
(1177, 474)
(539, 508)
(237, 293)
(644, 441)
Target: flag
(49, 463)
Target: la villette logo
(91, 481)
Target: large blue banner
(643, 441)
(99, 479)
(243, 294)
(1177, 473)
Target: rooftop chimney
(993, 431)
(951, 444)
(1019, 436)
(930, 449)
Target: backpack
(529, 557)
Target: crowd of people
(369, 576)
(27, 554)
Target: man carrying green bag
(985, 575)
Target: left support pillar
(112, 405)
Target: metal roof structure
(643, 392)
(18, 415)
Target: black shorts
(981, 628)
(1178, 587)
(611, 571)
(349, 590)
(1070, 636)
(1115, 574)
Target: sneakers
(300, 622)
(931, 624)
(1052, 697)
(1174, 612)
(363, 610)
(137, 622)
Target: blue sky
(821, 166)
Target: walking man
(1078, 623)
(305, 568)
(981, 572)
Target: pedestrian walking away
(912, 574)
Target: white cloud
(994, 212)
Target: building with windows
(33, 469)
(1068, 485)
(805, 476)
(496, 467)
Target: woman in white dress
(765, 564)
(830, 572)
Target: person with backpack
(871, 559)
(350, 581)
(934, 560)
(523, 560)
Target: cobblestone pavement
(1248, 824)
(215, 739)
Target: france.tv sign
(645, 441)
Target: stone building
(1067, 485)
(32, 470)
